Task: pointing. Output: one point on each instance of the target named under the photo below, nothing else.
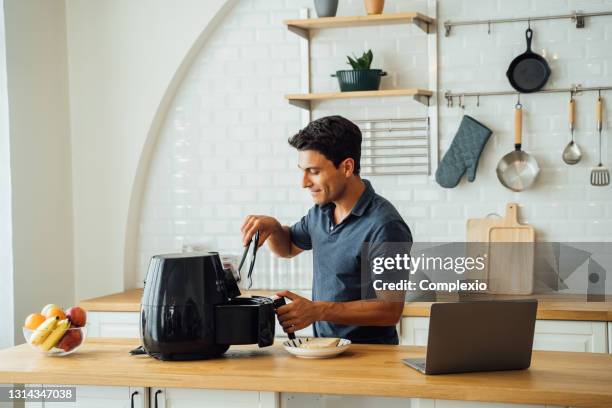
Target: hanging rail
(460, 96)
(576, 16)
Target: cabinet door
(195, 398)
(610, 337)
(551, 335)
(102, 397)
(157, 397)
(414, 331)
(561, 335)
(113, 324)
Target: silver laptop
(478, 336)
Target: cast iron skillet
(529, 71)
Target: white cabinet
(561, 335)
(610, 337)
(552, 335)
(113, 324)
(294, 400)
(195, 398)
(414, 331)
(102, 397)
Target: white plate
(293, 347)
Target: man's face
(325, 182)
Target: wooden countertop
(554, 307)
(555, 378)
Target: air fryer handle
(278, 303)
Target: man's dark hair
(335, 137)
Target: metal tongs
(255, 241)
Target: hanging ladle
(571, 153)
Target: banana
(56, 335)
(43, 331)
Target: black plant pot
(359, 79)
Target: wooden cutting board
(477, 238)
(511, 255)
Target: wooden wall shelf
(302, 26)
(303, 100)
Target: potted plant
(374, 6)
(361, 77)
(326, 8)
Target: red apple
(77, 316)
(71, 339)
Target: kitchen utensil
(477, 237)
(511, 255)
(572, 154)
(600, 176)
(293, 347)
(529, 71)
(255, 241)
(191, 309)
(278, 302)
(478, 228)
(517, 170)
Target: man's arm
(278, 236)
(301, 312)
(280, 243)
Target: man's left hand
(298, 314)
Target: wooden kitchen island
(248, 376)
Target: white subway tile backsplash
(222, 153)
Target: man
(347, 213)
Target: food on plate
(320, 342)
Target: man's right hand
(266, 226)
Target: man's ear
(348, 167)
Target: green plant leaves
(362, 62)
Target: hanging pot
(529, 71)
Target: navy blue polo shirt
(337, 253)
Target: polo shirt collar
(364, 200)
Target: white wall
(222, 150)
(6, 244)
(124, 56)
(39, 155)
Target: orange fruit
(55, 311)
(34, 320)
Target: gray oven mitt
(463, 153)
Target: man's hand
(266, 226)
(298, 314)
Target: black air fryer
(190, 309)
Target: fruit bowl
(58, 341)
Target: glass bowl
(68, 343)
